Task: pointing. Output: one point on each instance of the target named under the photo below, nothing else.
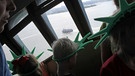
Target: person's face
(6, 6)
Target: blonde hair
(63, 47)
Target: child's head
(123, 33)
(63, 47)
(27, 65)
(64, 52)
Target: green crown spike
(101, 40)
(32, 52)
(13, 54)
(123, 4)
(39, 55)
(80, 43)
(50, 50)
(23, 51)
(105, 19)
(77, 38)
(15, 57)
(112, 20)
(10, 65)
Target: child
(121, 29)
(27, 65)
(65, 53)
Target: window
(96, 9)
(31, 37)
(7, 52)
(17, 18)
(62, 22)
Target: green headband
(16, 57)
(80, 43)
(112, 20)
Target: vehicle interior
(33, 14)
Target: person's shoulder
(110, 62)
(109, 67)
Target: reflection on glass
(62, 22)
(17, 18)
(31, 37)
(40, 1)
(96, 9)
(46, 2)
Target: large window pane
(96, 9)
(31, 37)
(62, 22)
(7, 52)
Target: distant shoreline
(63, 8)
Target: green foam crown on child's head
(112, 20)
(18, 56)
(81, 43)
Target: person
(121, 30)
(50, 66)
(62, 48)
(107, 47)
(6, 6)
(27, 65)
(65, 53)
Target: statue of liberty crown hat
(112, 20)
(15, 57)
(80, 43)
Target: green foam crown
(23, 54)
(112, 20)
(80, 43)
